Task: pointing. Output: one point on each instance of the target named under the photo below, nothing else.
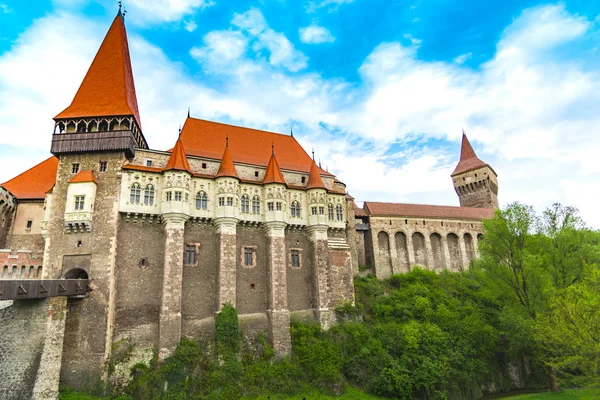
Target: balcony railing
(64, 143)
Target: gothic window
(201, 200)
(278, 206)
(74, 168)
(221, 201)
(256, 205)
(190, 254)
(321, 210)
(330, 211)
(79, 202)
(177, 196)
(169, 196)
(230, 201)
(313, 210)
(245, 204)
(270, 206)
(149, 195)
(339, 213)
(295, 210)
(295, 258)
(136, 190)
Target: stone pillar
(48, 375)
(463, 251)
(279, 315)
(430, 259)
(394, 261)
(318, 239)
(227, 231)
(446, 251)
(170, 308)
(410, 249)
(476, 245)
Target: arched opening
(39, 272)
(384, 262)
(469, 247)
(103, 126)
(31, 272)
(81, 127)
(5, 272)
(402, 252)
(454, 250)
(437, 251)
(114, 125)
(76, 273)
(71, 127)
(419, 249)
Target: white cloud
(462, 58)
(190, 25)
(164, 10)
(330, 5)
(530, 114)
(315, 34)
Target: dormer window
(148, 163)
(303, 179)
(79, 202)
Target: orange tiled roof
(426, 211)
(251, 146)
(227, 168)
(178, 160)
(35, 182)
(108, 87)
(273, 174)
(83, 176)
(468, 158)
(314, 177)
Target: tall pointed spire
(314, 178)
(468, 158)
(178, 160)
(227, 168)
(107, 88)
(273, 174)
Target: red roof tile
(426, 211)
(35, 182)
(251, 146)
(83, 176)
(314, 178)
(178, 160)
(468, 158)
(273, 174)
(227, 168)
(108, 87)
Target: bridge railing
(42, 288)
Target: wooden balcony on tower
(79, 142)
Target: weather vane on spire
(272, 149)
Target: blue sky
(380, 89)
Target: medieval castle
(228, 215)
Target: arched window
(5, 272)
(135, 193)
(31, 272)
(14, 272)
(149, 195)
(201, 200)
(245, 204)
(330, 211)
(39, 273)
(339, 213)
(295, 209)
(256, 205)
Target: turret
(104, 114)
(475, 182)
(177, 180)
(227, 182)
(275, 191)
(317, 198)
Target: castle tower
(475, 182)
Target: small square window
(177, 196)
(79, 243)
(148, 163)
(313, 210)
(74, 168)
(303, 179)
(256, 174)
(29, 224)
(203, 165)
(79, 202)
(103, 166)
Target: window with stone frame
(278, 206)
(339, 213)
(248, 257)
(270, 206)
(134, 195)
(169, 196)
(330, 211)
(230, 201)
(256, 205)
(221, 201)
(201, 200)
(149, 195)
(177, 196)
(321, 210)
(103, 166)
(79, 203)
(295, 209)
(313, 210)
(295, 258)
(74, 168)
(245, 204)
(190, 258)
